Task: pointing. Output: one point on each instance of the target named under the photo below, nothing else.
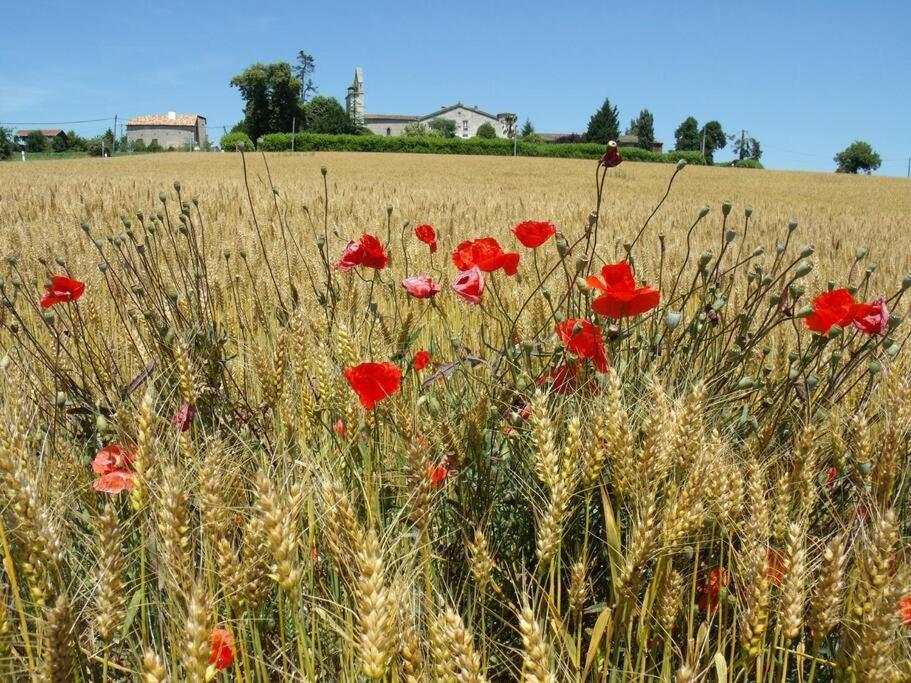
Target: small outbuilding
(170, 131)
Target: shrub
(36, 142)
(154, 147)
(140, 146)
(486, 131)
(230, 141)
(417, 128)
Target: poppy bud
(834, 332)
(582, 285)
(792, 225)
(672, 319)
(103, 267)
(864, 468)
(703, 212)
(804, 312)
(774, 299)
(758, 251)
(275, 191)
(138, 290)
(388, 210)
(681, 163)
(796, 291)
(872, 267)
(323, 170)
(875, 367)
(162, 198)
(61, 398)
(704, 259)
(748, 211)
(893, 350)
(730, 236)
(562, 246)
(243, 254)
(807, 251)
(455, 343)
(183, 229)
(546, 294)
(195, 201)
(765, 281)
(581, 263)
(804, 269)
(49, 317)
(779, 248)
(726, 208)
(812, 381)
(227, 254)
(86, 227)
(528, 345)
(172, 295)
(836, 356)
(177, 185)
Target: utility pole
(293, 122)
(909, 167)
(515, 137)
(114, 144)
(742, 139)
(703, 143)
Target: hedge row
(312, 142)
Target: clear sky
(805, 77)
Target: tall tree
(604, 124)
(755, 149)
(327, 115)
(713, 138)
(687, 136)
(643, 126)
(271, 94)
(36, 142)
(6, 143)
(527, 128)
(306, 65)
(857, 157)
(746, 147)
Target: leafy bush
(281, 142)
(486, 131)
(154, 147)
(36, 142)
(230, 141)
(748, 163)
(140, 146)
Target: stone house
(467, 118)
(20, 136)
(171, 130)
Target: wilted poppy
(872, 318)
(428, 236)
(114, 481)
(421, 286)
(469, 285)
(707, 597)
(621, 298)
(486, 254)
(583, 338)
(421, 358)
(112, 457)
(367, 252)
(183, 417)
(372, 382)
(533, 234)
(612, 156)
(61, 290)
(221, 644)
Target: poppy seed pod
(804, 312)
(581, 263)
(61, 398)
(726, 208)
(730, 236)
(323, 170)
(562, 246)
(875, 367)
(812, 381)
(195, 201)
(758, 251)
(804, 269)
(85, 228)
(162, 197)
(703, 212)
(103, 267)
(582, 285)
(748, 211)
(275, 191)
(704, 258)
(834, 332)
(49, 317)
(906, 282)
(792, 225)
(807, 251)
(681, 163)
(672, 319)
(860, 253)
(388, 210)
(177, 185)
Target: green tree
(415, 129)
(327, 115)
(443, 128)
(714, 139)
(604, 125)
(74, 143)
(485, 130)
(271, 94)
(857, 157)
(687, 136)
(108, 139)
(527, 128)
(306, 65)
(746, 147)
(755, 150)
(6, 143)
(58, 144)
(36, 142)
(643, 126)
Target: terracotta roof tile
(163, 120)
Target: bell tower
(354, 100)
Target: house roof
(459, 105)
(46, 133)
(391, 117)
(165, 120)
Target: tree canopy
(327, 115)
(271, 93)
(444, 128)
(714, 139)
(857, 157)
(643, 126)
(527, 128)
(604, 124)
(36, 142)
(486, 130)
(687, 136)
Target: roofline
(459, 105)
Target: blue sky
(805, 77)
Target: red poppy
(421, 358)
(904, 609)
(612, 156)
(831, 475)
(533, 234)
(221, 643)
(339, 427)
(717, 579)
(183, 417)
(872, 318)
(428, 236)
(564, 379)
(621, 297)
(114, 481)
(372, 382)
(61, 290)
(421, 286)
(487, 255)
(776, 566)
(583, 338)
(367, 252)
(438, 473)
(112, 457)
(469, 285)
(836, 307)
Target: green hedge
(311, 142)
(229, 141)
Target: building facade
(467, 118)
(171, 130)
(21, 136)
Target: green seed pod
(748, 211)
(758, 251)
(792, 225)
(906, 282)
(61, 399)
(672, 319)
(804, 269)
(582, 285)
(807, 251)
(812, 381)
(562, 246)
(864, 468)
(704, 258)
(49, 317)
(103, 267)
(745, 383)
(388, 210)
(323, 170)
(875, 367)
(177, 185)
(703, 212)
(195, 201)
(804, 312)
(860, 253)
(86, 227)
(796, 291)
(726, 208)
(162, 197)
(730, 236)
(680, 164)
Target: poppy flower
(428, 236)
(221, 643)
(114, 482)
(836, 307)
(469, 285)
(717, 579)
(564, 379)
(612, 157)
(372, 382)
(486, 254)
(183, 417)
(583, 338)
(112, 457)
(621, 298)
(367, 252)
(776, 566)
(421, 286)
(421, 358)
(872, 318)
(438, 473)
(831, 476)
(533, 234)
(904, 609)
(61, 290)
(339, 427)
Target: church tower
(354, 100)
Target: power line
(54, 123)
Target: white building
(467, 118)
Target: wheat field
(672, 445)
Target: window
(464, 124)
(154, 141)
(388, 132)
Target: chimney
(172, 115)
